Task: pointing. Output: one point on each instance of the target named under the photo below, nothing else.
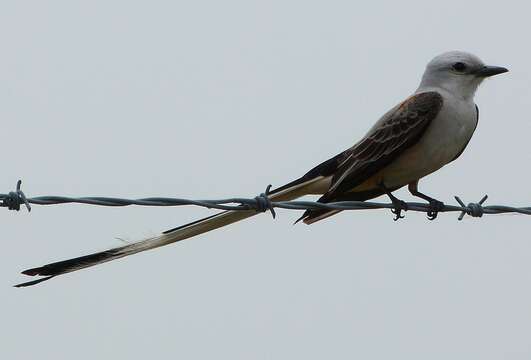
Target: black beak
(487, 71)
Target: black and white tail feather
(290, 191)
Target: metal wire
(261, 203)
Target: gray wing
(396, 131)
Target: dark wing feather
(397, 131)
(325, 168)
(400, 128)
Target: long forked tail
(288, 192)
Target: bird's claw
(435, 207)
(399, 206)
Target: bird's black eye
(459, 66)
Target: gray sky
(209, 99)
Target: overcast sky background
(210, 99)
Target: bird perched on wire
(426, 131)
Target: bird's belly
(443, 140)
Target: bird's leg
(398, 204)
(435, 205)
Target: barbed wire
(261, 203)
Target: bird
(429, 129)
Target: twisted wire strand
(261, 203)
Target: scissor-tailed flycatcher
(426, 131)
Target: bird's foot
(398, 207)
(435, 207)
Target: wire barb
(263, 202)
(14, 199)
(472, 209)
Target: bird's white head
(457, 72)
